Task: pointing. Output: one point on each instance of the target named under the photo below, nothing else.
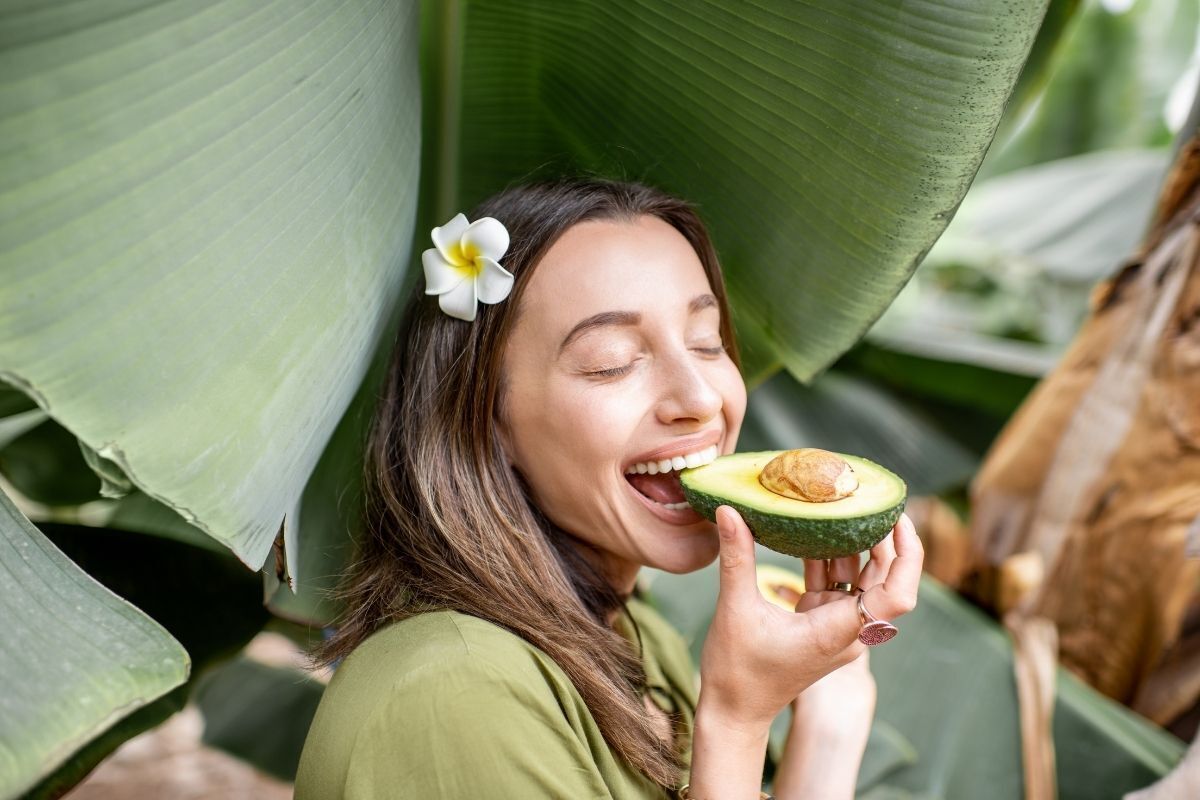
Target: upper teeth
(697, 459)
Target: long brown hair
(448, 524)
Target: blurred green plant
(1122, 76)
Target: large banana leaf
(97, 658)
(205, 215)
(827, 143)
(329, 517)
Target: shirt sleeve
(471, 729)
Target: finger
(816, 575)
(813, 599)
(898, 593)
(844, 570)
(810, 600)
(739, 582)
(877, 566)
(885, 550)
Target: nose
(687, 392)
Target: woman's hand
(831, 719)
(757, 657)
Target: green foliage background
(208, 217)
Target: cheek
(565, 438)
(733, 392)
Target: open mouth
(662, 489)
(658, 481)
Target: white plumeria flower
(464, 267)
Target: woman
(494, 642)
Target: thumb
(835, 627)
(739, 581)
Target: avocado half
(796, 527)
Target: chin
(690, 555)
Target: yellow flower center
(464, 259)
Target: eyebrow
(598, 321)
(697, 303)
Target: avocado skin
(804, 538)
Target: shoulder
(467, 709)
(445, 682)
(438, 647)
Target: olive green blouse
(446, 705)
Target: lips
(661, 491)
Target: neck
(618, 574)
(624, 578)
(624, 583)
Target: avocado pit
(809, 474)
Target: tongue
(662, 488)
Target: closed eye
(611, 373)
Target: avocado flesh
(795, 527)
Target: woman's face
(616, 359)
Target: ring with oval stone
(873, 631)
